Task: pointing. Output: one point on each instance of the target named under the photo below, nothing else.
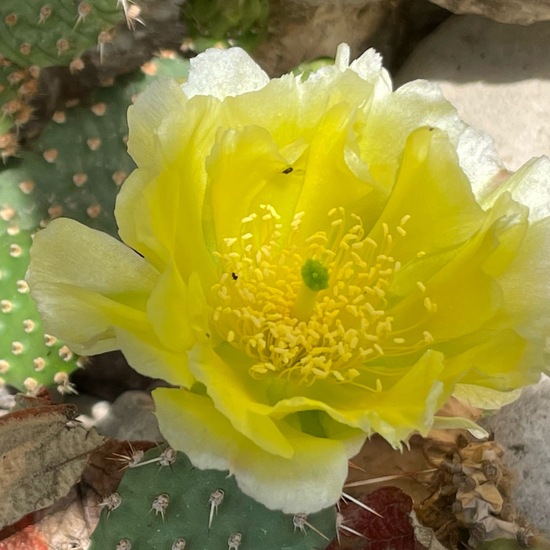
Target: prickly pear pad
(160, 504)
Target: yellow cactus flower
(306, 262)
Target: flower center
(309, 307)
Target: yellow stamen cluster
(270, 305)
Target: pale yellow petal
(159, 206)
(484, 398)
(308, 481)
(168, 311)
(434, 194)
(418, 392)
(85, 282)
(146, 354)
(526, 286)
(246, 169)
(239, 398)
(158, 103)
(223, 73)
(530, 185)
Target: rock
(522, 429)
(7, 401)
(497, 76)
(303, 30)
(131, 417)
(522, 12)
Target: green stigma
(315, 275)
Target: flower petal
(157, 104)
(158, 209)
(246, 169)
(418, 392)
(235, 395)
(525, 285)
(463, 293)
(192, 424)
(224, 73)
(159, 217)
(326, 164)
(85, 282)
(148, 356)
(434, 192)
(530, 186)
(501, 360)
(484, 398)
(168, 311)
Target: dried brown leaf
(377, 459)
(44, 451)
(70, 521)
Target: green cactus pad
(80, 160)
(28, 357)
(159, 507)
(54, 32)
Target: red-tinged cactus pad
(392, 531)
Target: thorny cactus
(54, 32)
(164, 502)
(52, 50)
(17, 87)
(28, 357)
